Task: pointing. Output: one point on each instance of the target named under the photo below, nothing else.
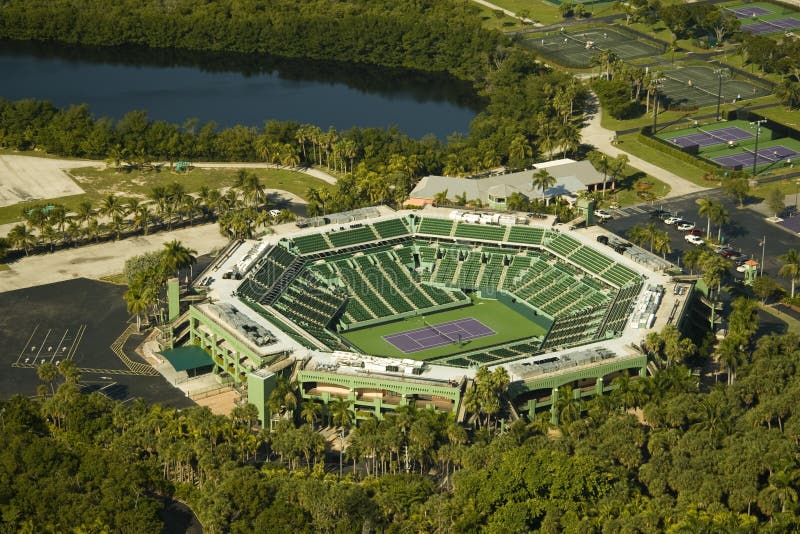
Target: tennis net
(693, 86)
(439, 332)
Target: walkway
(594, 134)
(506, 11)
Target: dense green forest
(662, 453)
(441, 35)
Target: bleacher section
(563, 244)
(390, 228)
(526, 235)
(468, 275)
(435, 226)
(354, 236)
(310, 243)
(620, 275)
(492, 272)
(480, 231)
(592, 261)
(446, 267)
(405, 255)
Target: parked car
(685, 226)
(603, 215)
(719, 249)
(672, 220)
(694, 239)
(657, 214)
(602, 239)
(729, 253)
(696, 232)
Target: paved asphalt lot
(77, 319)
(743, 232)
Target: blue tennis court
(432, 336)
(772, 26)
(773, 154)
(708, 138)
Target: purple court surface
(438, 335)
(772, 26)
(716, 137)
(773, 154)
(745, 12)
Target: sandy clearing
(104, 259)
(25, 178)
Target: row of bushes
(670, 150)
(615, 97)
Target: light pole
(721, 73)
(757, 124)
(763, 246)
(796, 190)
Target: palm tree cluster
(240, 211)
(791, 267)
(715, 213)
(652, 237)
(486, 398)
(147, 275)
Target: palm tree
(138, 297)
(176, 256)
(111, 206)
(117, 224)
(21, 237)
(141, 218)
(790, 268)
(440, 198)
(47, 372)
(708, 207)
(310, 412)
(719, 217)
(543, 180)
(642, 235)
(662, 243)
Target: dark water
(234, 89)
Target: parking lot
(743, 233)
(78, 320)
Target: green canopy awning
(189, 357)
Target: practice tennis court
(577, 48)
(763, 27)
(431, 336)
(744, 12)
(704, 138)
(697, 86)
(766, 156)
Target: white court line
(27, 344)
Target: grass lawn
(782, 115)
(4, 267)
(99, 183)
(636, 187)
(508, 325)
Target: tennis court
(703, 138)
(750, 11)
(431, 336)
(577, 48)
(697, 86)
(763, 27)
(777, 154)
(494, 321)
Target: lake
(230, 89)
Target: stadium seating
(479, 231)
(563, 244)
(405, 255)
(435, 226)
(354, 236)
(592, 261)
(310, 243)
(446, 268)
(390, 228)
(272, 265)
(619, 275)
(526, 235)
(468, 274)
(492, 273)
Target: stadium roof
(571, 176)
(188, 357)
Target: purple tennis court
(716, 137)
(438, 335)
(773, 154)
(772, 26)
(747, 12)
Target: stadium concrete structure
(292, 301)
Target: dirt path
(594, 134)
(26, 178)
